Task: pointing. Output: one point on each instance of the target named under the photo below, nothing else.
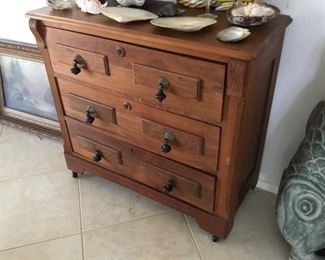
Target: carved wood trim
(34, 26)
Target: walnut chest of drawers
(178, 117)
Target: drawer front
(164, 175)
(189, 141)
(183, 85)
(104, 155)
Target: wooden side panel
(249, 115)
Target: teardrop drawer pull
(98, 156)
(168, 188)
(90, 115)
(168, 139)
(162, 85)
(78, 61)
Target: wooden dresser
(178, 117)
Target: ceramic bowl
(247, 21)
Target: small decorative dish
(184, 24)
(130, 2)
(252, 14)
(233, 34)
(196, 3)
(224, 5)
(126, 14)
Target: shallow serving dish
(126, 14)
(184, 24)
(233, 34)
(234, 17)
(196, 3)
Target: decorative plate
(233, 34)
(126, 14)
(184, 24)
(196, 3)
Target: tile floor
(46, 214)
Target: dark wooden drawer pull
(98, 156)
(127, 106)
(120, 52)
(163, 85)
(168, 188)
(168, 139)
(78, 61)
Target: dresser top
(202, 43)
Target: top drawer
(183, 85)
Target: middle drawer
(170, 135)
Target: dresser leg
(75, 175)
(215, 239)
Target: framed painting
(25, 96)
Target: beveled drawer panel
(103, 155)
(159, 177)
(181, 139)
(92, 109)
(91, 62)
(162, 174)
(194, 143)
(195, 86)
(178, 85)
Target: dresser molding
(244, 81)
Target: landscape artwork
(26, 87)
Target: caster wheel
(215, 239)
(253, 187)
(75, 175)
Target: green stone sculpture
(301, 198)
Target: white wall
(13, 23)
(300, 85)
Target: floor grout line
(80, 215)
(193, 237)
(27, 131)
(39, 242)
(33, 175)
(129, 221)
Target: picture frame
(26, 102)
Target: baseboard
(264, 185)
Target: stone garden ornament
(301, 199)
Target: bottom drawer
(174, 179)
